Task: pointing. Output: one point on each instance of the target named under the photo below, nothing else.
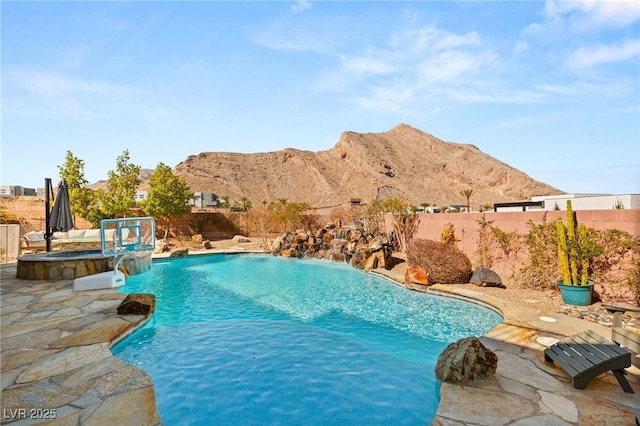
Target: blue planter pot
(577, 295)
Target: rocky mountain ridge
(401, 163)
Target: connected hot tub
(68, 265)
(62, 265)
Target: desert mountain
(144, 176)
(401, 163)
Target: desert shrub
(374, 217)
(262, 221)
(616, 265)
(405, 220)
(309, 222)
(495, 245)
(633, 280)
(448, 234)
(8, 217)
(541, 267)
(444, 263)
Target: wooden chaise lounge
(584, 356)
(619, 334)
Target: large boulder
(371, 263)
(417, 276)
(383, 259)
(137, 304)
(179, 253)
(277, 244)
(485, 277)
(466, 359)
(161, 246)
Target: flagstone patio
(57, 367)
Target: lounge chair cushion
(92, 234)
(61, 235)
(76, 234)
(34, 236)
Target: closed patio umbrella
(61, 218)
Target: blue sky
(550, 88)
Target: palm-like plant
(467, 193)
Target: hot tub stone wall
(67, 269)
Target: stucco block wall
(431, 225)
(467, 225)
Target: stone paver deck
(56, 365)
(526, 390)
(56, 362)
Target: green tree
(95, 216)
(168, 196)
(467, 193)
(374, 217)
(81, 197)
(122, 183)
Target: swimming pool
(257, 339)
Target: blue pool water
(256, 339)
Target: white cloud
(50, 95)
(424, 65)
(452, 65)
(433, 39)
(300, 6)
(279, 37)
(413, 69)
(589, 56)
(564, 90)
(51, 83)
(598, 89)
(47, 83)
(520, 46)
(393, 98)
(585, 16)
(365, 65)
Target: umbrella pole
(47, 206)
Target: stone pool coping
(55, 356)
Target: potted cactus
(575, 253)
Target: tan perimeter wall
(220, 224)
(466, 226)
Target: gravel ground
(550, 300)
